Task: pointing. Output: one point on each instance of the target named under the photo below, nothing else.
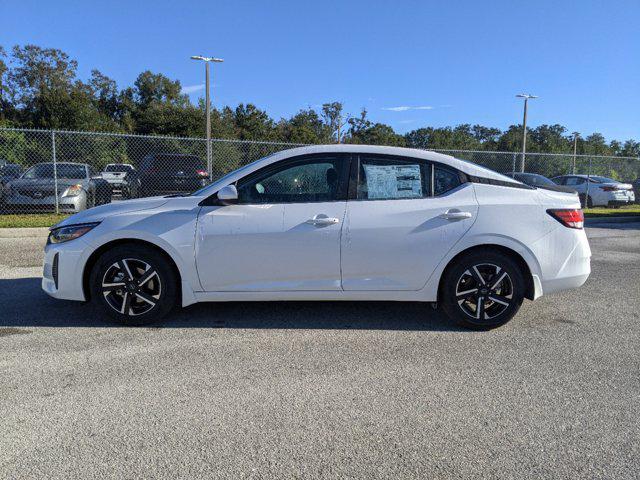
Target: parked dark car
(123, 178)
(168, 173)
(539, 181)
(8, 172)
(78, 187)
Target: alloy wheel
(484, 291)
(131, 287)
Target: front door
(406, 215)
(284, 233)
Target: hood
(97, 214)
(34, 183)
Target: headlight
(64, 234)
(73, 191)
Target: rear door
(284, 233)
(403, 216)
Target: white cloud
(404, 108)
(192, 88)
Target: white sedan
(595, 191)
(337, 222)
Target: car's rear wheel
(134, 285)
(482, 290)
(588, 203)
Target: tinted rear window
(118, 168)
(169, 163)
(533, 179)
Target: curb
(41, 232)
(588, 221)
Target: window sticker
(393, 181)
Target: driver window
(303, 181)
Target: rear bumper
(619, 197)
(621, 202)
(567, 262)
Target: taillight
(569, 217)
(202, 173)
(609, 189)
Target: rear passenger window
(382, 178)
(444, 180)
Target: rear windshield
(603, 180)
(118, 168)
(533, 179)
(64, 170)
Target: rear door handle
(455, 214)
(321, 220)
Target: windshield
(603, 180)
(10, 170)
(64, 170)
(224, 178)
(118, 168)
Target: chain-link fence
(626, 169)
(45, 170)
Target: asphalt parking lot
(331, 390)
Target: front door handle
(455, 214)
(321, 220)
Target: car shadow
(24, 304)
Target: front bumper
(65, 204)
(70, 269)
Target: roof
(462, 165)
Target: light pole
(206, 61)
(575, 150)
(526, 97)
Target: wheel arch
(530, 288)
(95, 255)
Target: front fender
(182, 257)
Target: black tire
(589, 203)
(160, 288)
(484, 309)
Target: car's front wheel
(133, 285)
(482, 289)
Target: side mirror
(228, 195)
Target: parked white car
(338, 222)
(595, 191)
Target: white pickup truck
(123, 179)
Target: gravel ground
(324, 390)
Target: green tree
(306, 126)
(251, 123)
(363, 131)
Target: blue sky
(410, 63)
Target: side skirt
(384, 296)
